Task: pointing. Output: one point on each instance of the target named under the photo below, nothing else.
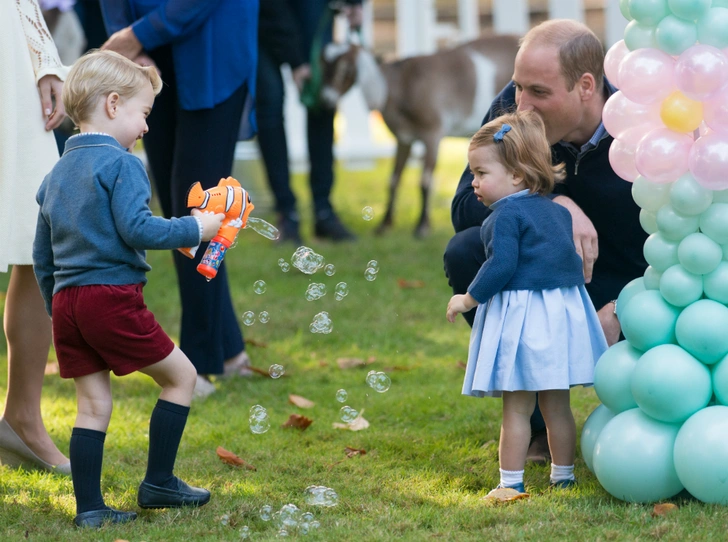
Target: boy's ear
(111, 104)
(517, 178)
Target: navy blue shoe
(151, 496)
(562, 484)
(96, 518)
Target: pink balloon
(621, 157)
(621, 114)
(662, 155)
(647, 75)
(613, 59)
(715, 112)
(701, 71)
(709, 161)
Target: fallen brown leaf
(353, 452)
(663, 509)
(253, 342)
(462, 365)
(350, 363)
(296, 421)
(300, 402)
(261, 372)
(231, 459)
(408, 284)
(505, 494)
(323, 363)
(396, 368)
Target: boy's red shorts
(105, 327)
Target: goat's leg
(403, 152)
(428, 167)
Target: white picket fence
(418, 32)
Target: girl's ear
(111, 104)
(517, 178)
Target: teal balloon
(633, 458)
(631, 289)
(648, 321)
(720, 4)
(613, 377)
(720, 196)
(592, 427)
(689, 198)
(670, 385)
(675, 226)
(713, 28)
(648, 221)
(699, 254)
(702, 330)
(715, 284)
(714, 222)
(640, 36)
(649, 12)
(701, 455)
(660, 253)
(651, 278)
(648, 195)
(674, 35)
(680, 287)
(720, 381)
(624, 8)
(689, 10)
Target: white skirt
(533, 340)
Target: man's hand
(125, 43)
(300, 75)
(51, 87)
(610, 324)
(585, 236)
(459, 304)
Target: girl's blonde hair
(98, 74)
(523, 150)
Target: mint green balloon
(613, 377)
(659, 252)
(593, 425)
(720, 196)
(713, 28)
(648, 221)
(689, 10)
(714, 222)
(624, 8)
(720, 4)
(689, 198)
(680, 287)
(702, 330)
(699, 254)
(631, 289)
(725, 252)
(670, 385)
(719, 373)
(675, 226)
(649, 12)
(674, 36)
(648, 321)
(651, 278)
(701, 455)
(648, 195)
(640, 36)
(715, 284)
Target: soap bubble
(341, 396)
(259, 427)
(276, 371)
(307, 517)
(248, 318)
(263, 317)
(315, 524)
(258, 410)
(373, 264)
(321, 323)
(348, 414)
(330, 269)
(244, 532)
(367, 213)
(316, 290)
(320, 496)
(284, 265)
(307, 261)
(341, 291)
(224, 519)
(282, 533)
(379, 381)
(259, 287)
(371, 376)
(289, 516)
(266, 512)
(370, 274)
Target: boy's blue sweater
(95, 224)
(528, 246)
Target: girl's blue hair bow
(498, 137)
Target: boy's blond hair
(524, 149)
(99, 73)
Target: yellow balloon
(680, 113)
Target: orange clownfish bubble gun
(229, 198)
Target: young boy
(94, 226)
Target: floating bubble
(264, 317)
(244, 532)
(282, 533)
(224, 519)
(304, 528)
(307, 517)
(259, 427)
(373, 264)
(257, 410)
(290, 515)
(367, 213)
(341, 291)
(267, 230)
(341, 396)
(248, 318)
(316, 290)
(315, 524)
(320, 496)
(307, 261)
(276, 371)
(371, 377)
(370, 274)
(330, 269)
(259, 287)
(284, 265)
(265, 512)
(321, 323)
(382, 382)
(348, 414)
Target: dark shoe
(96, 518)
(331, 228)
(538, 451)
(151, 496)
(562, 484)
(288, 226)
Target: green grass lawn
(431, 454)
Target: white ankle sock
(510, 478)
(562, 472)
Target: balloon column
(663, 422)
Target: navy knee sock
(87, 455)
(165, 432)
